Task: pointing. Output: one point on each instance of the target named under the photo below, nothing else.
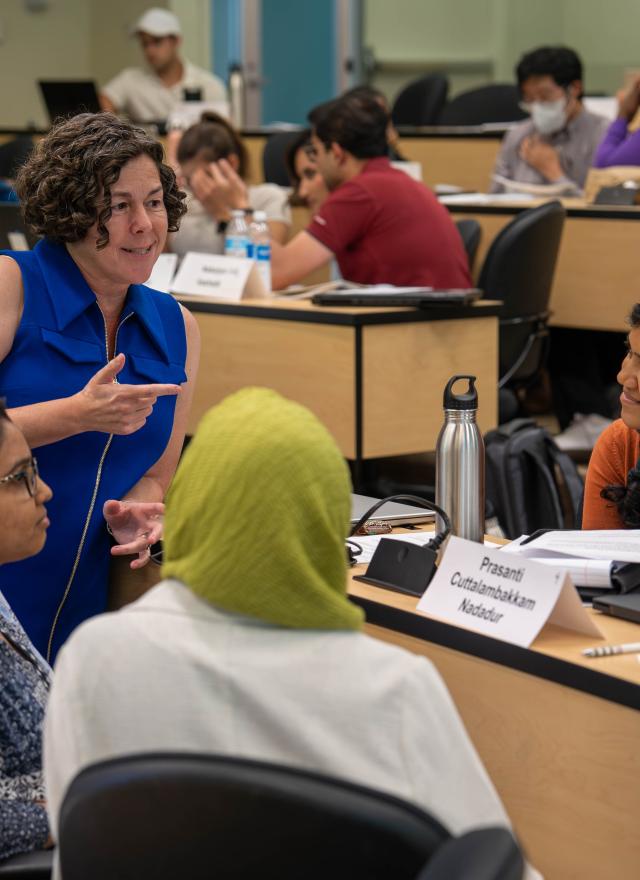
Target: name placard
(162, 273)
(218, 277)
(502, 596)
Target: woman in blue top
(96, 368)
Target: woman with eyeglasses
(24, 675)
(97, 368)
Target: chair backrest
(518, 269)
(273, 157)
(200, 816)
(470, 233)
(498, 102)
(421, 102)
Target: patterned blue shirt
(24, 687)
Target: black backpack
(530, 482)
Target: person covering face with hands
(213, 162)
(557, 143)
(97, 369)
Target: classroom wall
(481, 40)
(50, 44)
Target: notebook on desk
(381, 295)
(69, 97)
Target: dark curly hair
(214, 138)
(65, 185)
(627, 498)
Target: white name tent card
(502, 596)
(162, 273)
(218, 277)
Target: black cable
(434, 543)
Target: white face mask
(549, 116)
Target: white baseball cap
(158, 23)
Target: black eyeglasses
(28, 474)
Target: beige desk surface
(564, 760)
(596, 280)
(373, 376)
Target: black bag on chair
(530, 483)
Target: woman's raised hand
(107, 406)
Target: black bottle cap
(467, 400)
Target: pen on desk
(610, 650)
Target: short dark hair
(356, 122)
(215, 138)
(362, 91)
(627, 498)
(562, 64)
(65, 185)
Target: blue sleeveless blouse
(59, 345)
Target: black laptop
(626, 606)
(379, 295)
(69, 97)
(14, 235)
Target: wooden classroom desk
(596, 280)
(373, 376)
(462, 155)
(557, 732)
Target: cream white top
(143, 97)
(170, 672)
(199, 231)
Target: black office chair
(203, 816)
(518, 269)
(28, 866)
(470, 233)
(273, 157)
(493, 103)
(421, 102)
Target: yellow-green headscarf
(258, 512)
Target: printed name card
(162, 273)
(218, 277)
(506, 597)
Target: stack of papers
(588, 556)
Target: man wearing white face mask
(556, 145)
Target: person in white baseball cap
(149, 95)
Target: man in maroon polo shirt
(381, 226)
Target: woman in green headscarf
(250, 646)
(271, 544)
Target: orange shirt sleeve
(615, 453)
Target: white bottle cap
(237, 212)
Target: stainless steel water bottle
(460, 463)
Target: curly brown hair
(65, 185)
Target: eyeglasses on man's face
(28, 474)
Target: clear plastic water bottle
(460, 463)
(261, 243)
(237, 242)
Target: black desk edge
(553, 669)
(322, 315)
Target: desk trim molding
(532, 662)
(604, 213)
(319, 315)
